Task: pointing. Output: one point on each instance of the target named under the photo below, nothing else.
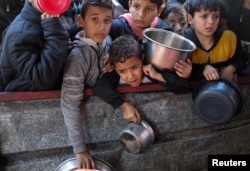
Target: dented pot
(137, 137)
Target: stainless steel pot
(71, 165)
(164, 48)
(217, 102)
(136, 137)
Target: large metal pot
(71, 165)
(217, 102)
(164, 48)
(137, 137)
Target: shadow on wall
(3, 160)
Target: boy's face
(178, 21)
(143, 12)
(131, 71)
(205, 22)
(97, 23)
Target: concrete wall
(33, 135)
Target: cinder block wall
(33, 135)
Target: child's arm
(130, 113)
(172, 81)
(152, 73)
(105, 88)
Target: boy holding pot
(126, 57)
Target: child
(83, 69)
(143, 14)
(218, 54)
(176, 16)
(34, 50)
(126, 57)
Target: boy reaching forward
(126, 57)
(83, 69)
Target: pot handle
(142, 41)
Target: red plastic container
(54, 6)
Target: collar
(81, 36)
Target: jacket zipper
(208, 56)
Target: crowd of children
(86, 46)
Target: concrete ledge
(33, 135)
(37, 95)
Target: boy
(217, 54)
(83, 69)
(175, 15)
(143, 14)
(126, 57)
(34, 50)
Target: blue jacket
(33, 52)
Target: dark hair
(159, 3)
(193, 6)
(175, 8)
(123, 48)
(101, 3)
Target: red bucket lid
(54, 6)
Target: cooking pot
(54, 6)
(137, 137)
(217, 102)
(72, 164)
(164, 48)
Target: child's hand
(70, 45)
(85, 160)
(210, 73)
(228, 73)
(183, 68)
(46, 15)
(130, 113)
(152, 73)
(107, 65)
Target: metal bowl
(137, 137)
(71, 164)
(164, 48)
(217, 102)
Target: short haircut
(193, 6)
(159, 3)
(175, 8)
(123, 48)
(100, 3)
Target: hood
(191, 35)
(81, 36)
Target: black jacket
(105, 87)
(238, 59)
(33, 52)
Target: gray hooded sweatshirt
(83, 68)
